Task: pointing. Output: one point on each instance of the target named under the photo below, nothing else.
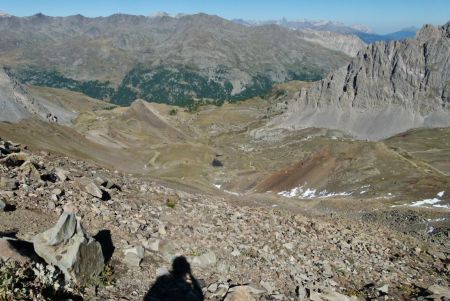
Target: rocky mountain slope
(387, 89)
(160, 59)
(349, 44)
(17, 103)
(238, 250)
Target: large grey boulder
(133, 256)
(93, 190)
(205, 260)
(68, 247)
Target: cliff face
(386, 89)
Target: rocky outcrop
(387, 89)
(68, 247)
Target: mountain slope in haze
(159, 59)
(360, 31)
(387, 89)
(406, 33)
(349, 44)
(17, 103)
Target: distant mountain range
(178, 60)
(361, 31)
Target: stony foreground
(237, 252)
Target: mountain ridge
(360, 31)
(126, 57)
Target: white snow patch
(434, 202)
(425, 202)
(442, 206)
(437, 219)
(362, 192)
(217, 186)
(309, 193)
(232, 192)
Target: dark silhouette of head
(179, 285)
(180, 267)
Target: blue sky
(381, 15)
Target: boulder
(205, 259)
(2, 205)
(61, 174)
(109, 184)
(14, 159)
(152, 245)
(93, 190)
(68, 247)
(133, 256)
(439, 292)
(8, 184)
(239, 293)
(167, 249)
(331, 296)
(384, 289)
(29, 170)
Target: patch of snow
(434, 202)
(425, 202)
(393, 206)
(325, 194)
(217, 186)
(362, 192)
(232, 192)
(437, 219)
(309, 193)
(442, 206)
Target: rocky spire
(387, 88)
